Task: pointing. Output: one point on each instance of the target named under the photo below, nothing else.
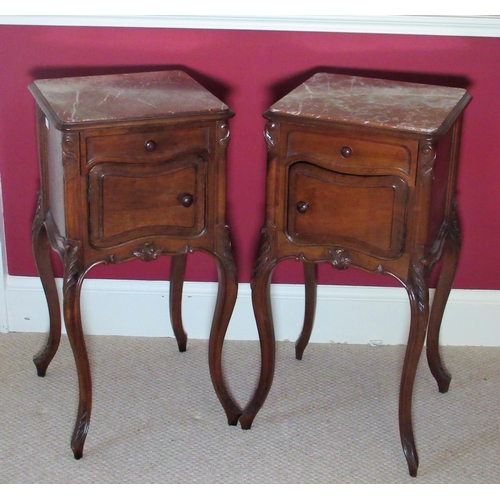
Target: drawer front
(349, 153)
(363, 213)
(129, 201)
(148, 144)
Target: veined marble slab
(371, 102)
(89, 99)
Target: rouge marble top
(134, 96)
(372, 102)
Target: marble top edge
(105, 76)
(126, 96)
(371, 102)
(372, 80)
(363, 85)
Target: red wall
(249, 70)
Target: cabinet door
(363, 213)
(134, 200)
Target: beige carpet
(330, 418)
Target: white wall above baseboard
(444, 25)
(345, 314)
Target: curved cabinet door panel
(133, 200)
(363, 213)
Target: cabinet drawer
(129, 201)
(149, 144)
(363, 213)
(351, 153)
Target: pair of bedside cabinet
(361, 173)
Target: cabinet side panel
(55, 177)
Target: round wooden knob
(150, 145)
(302, 207)
(187, 200)
(346, 151)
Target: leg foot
(247, 418)
(80, 432)
(410, 451)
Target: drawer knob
(187, 200)
(150, 146)
(302, 207)
(346, 151)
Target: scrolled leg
(261, 300)
(226, 299)
(311, 285)
(41, 252)
(177, 273)
(73, 279)
(449, 259)
(418, 294)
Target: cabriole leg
(41, 252)
(261, 300)
(418, 294)
(311, 285)
(177, 273)
(449, 259)
(226, 299)
(73, 279)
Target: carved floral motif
(266, 253)
(225, 251)
(148, 252)
(72, 265)
(417, 281)
(339, 258)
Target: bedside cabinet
(132, 166)
(362, 173)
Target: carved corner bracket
(224, 134)
(70, 153)
(428, 157)
(270, 132)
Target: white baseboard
(345, 314)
